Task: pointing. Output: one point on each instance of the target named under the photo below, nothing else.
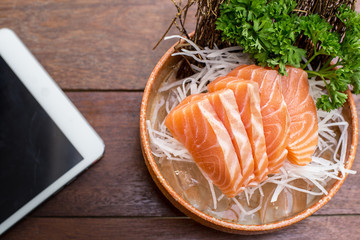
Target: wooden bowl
(164, 67)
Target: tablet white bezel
(60, 109)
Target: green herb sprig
(268, 31)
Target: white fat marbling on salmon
(276, 119)
(238, 133)
(248, 101)
(196, 124)
(303, 137)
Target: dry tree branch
(327, 9)
(206, 35)
(205, 32)
(181, 16)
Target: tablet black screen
(33, 150)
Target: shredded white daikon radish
(219, 62)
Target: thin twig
(168, 29)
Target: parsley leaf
(267, 30)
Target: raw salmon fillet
(303, 137)
(195, 123)
(226, 108)
(275, 116)
(248, 101)
(224, 103)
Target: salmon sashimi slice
(196, 125)
(275, 116)
(248, 101)
(303, 137)
(226, 108)
(182, 104)
(224, 103)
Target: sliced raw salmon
(196, 125)
(275, 116)
(248, 101)
(303, 137)
(224, 103)
(225, 106)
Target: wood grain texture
(92, 44)
(315, 227)
(106, 45)
(120, 185)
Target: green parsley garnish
(268, 31)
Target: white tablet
(44, 140)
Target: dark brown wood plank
(320, 228)
(96, 44)
(120, 185)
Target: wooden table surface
(100, 53)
